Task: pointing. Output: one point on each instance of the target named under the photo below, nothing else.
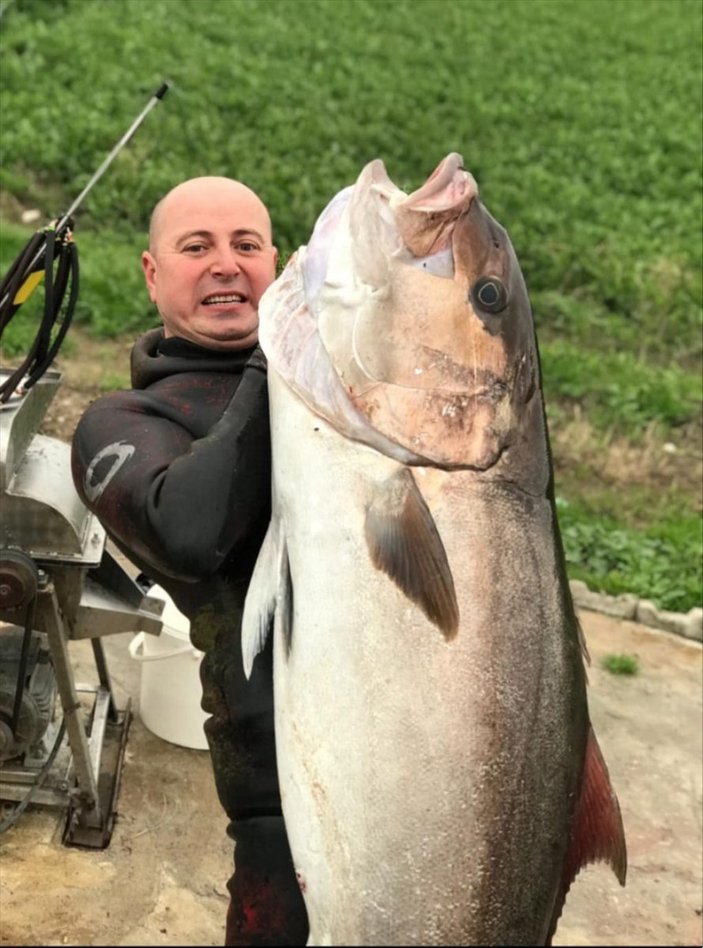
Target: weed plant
(621, 664)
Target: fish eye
(489, 294)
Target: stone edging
(627, 606)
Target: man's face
(209, 262)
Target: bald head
(202, 194)
(210, 260)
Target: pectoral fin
(264, 594)
(404, 542)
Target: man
(178, 471)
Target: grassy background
(580, 120)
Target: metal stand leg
(104, 677)
(87, 790)
(97, 751)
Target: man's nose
(225, 263)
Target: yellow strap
(28, 287)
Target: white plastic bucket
(170, 693)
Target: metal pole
(157, 96)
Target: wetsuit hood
(154, 357)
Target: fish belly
(427, 782)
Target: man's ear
(149, 268)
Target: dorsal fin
(404, 542)
(597, 832)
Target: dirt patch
(674, 466)
(649, 728)
(89, 368)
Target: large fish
(441, 782)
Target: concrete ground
(162, 879)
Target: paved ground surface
(161, 881)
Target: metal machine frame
(58, 579)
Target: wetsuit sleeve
(179, 503)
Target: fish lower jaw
(476, 456)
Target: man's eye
(193, 248)
(248, 246)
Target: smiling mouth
(224, 299)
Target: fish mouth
(448, 185)
(426, 217)
(448, 188)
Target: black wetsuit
(178, 472)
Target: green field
(580, 120)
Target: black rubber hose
(57, 281)
(15, 277)
(68, 266)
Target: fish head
(405, 321)
(422, 308)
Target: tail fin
(597, 832)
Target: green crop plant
(580, 120)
